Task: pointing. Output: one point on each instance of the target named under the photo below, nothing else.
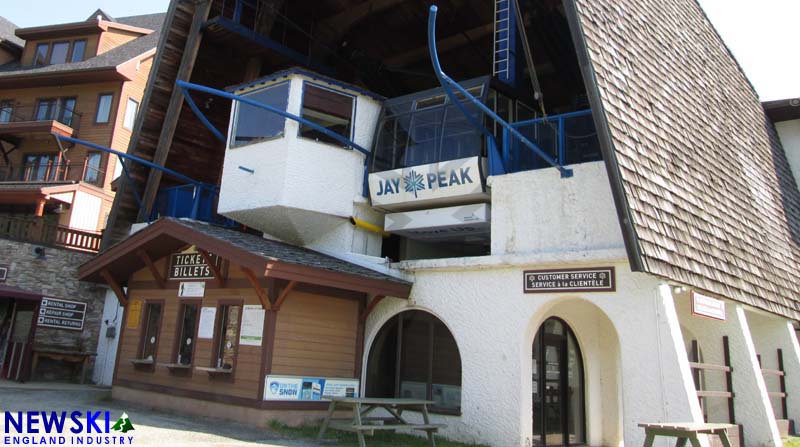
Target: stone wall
(55, 276)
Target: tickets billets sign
(61, 314)
(308, 388)
(191, 266)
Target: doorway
(16, 338)
(558, 388)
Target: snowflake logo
(414, 182)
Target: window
(6, 110)
(39, 167)
(59, 109)
(329, 109)
(104, 108)
(227, 336)
(78, 50)
(415, 356)
(40, 58)
(92, 172)
(130, 114)
(150, 333)
(253, 124)
(59, 53)
(187, 327)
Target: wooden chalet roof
(702, 184)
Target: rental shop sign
(442, 183)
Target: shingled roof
(109, 59)
(702, 185)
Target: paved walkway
(151, 428)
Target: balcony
(38, 231)
(50, 171)
(45, 118)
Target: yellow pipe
(358, 223)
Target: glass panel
(151, 331)
(130, 114)
(461, 138)
(425, 134)
(329, 109)
(228, 335)
(104, 108)
(537, 392)
(553, 404)
(46, 109)
(415, 356)
(78, 48)
(41, 54)
(254, 124)
(67, 111)
(37, 167)
(59, 54)
(446, 386)
(382, 364)
(575, 393)
(186, 339)
(6, 111)
(92, 174)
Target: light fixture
(39, 253)
(678, 289)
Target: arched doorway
(558, 389)
(415, 356)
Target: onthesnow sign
(597, 279)
(61, 314)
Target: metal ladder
(502, 39)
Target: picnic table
(686, 431)
(362, 423)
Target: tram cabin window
(329, 109)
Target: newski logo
(24, 428)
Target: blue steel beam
(448, 84)
(186, 86)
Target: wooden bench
(361, 424)
(685, 432)
(81, 358)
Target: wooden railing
(37, 231)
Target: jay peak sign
(191, 266)
(596, 279)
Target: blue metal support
(187, 86)
(122, 155)
(448, 85)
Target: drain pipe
(364, 225)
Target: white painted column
(103, 373)
(753, 409)
(771, 333)
(657, 383)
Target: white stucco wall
(770, 333)
(301, 190)
(635, 364)
(85, 211)
(789, 133)
(538, 211)
(751, 403)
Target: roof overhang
(22, 194)
(75, 29)
(167, 236)
(48, 78)
(783, 109)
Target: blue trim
(448, 84)
(248, 170)
(201, 88)
(202, 117)
(309, 74)
(265, 42)
(553, 117)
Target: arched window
(415, 356)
